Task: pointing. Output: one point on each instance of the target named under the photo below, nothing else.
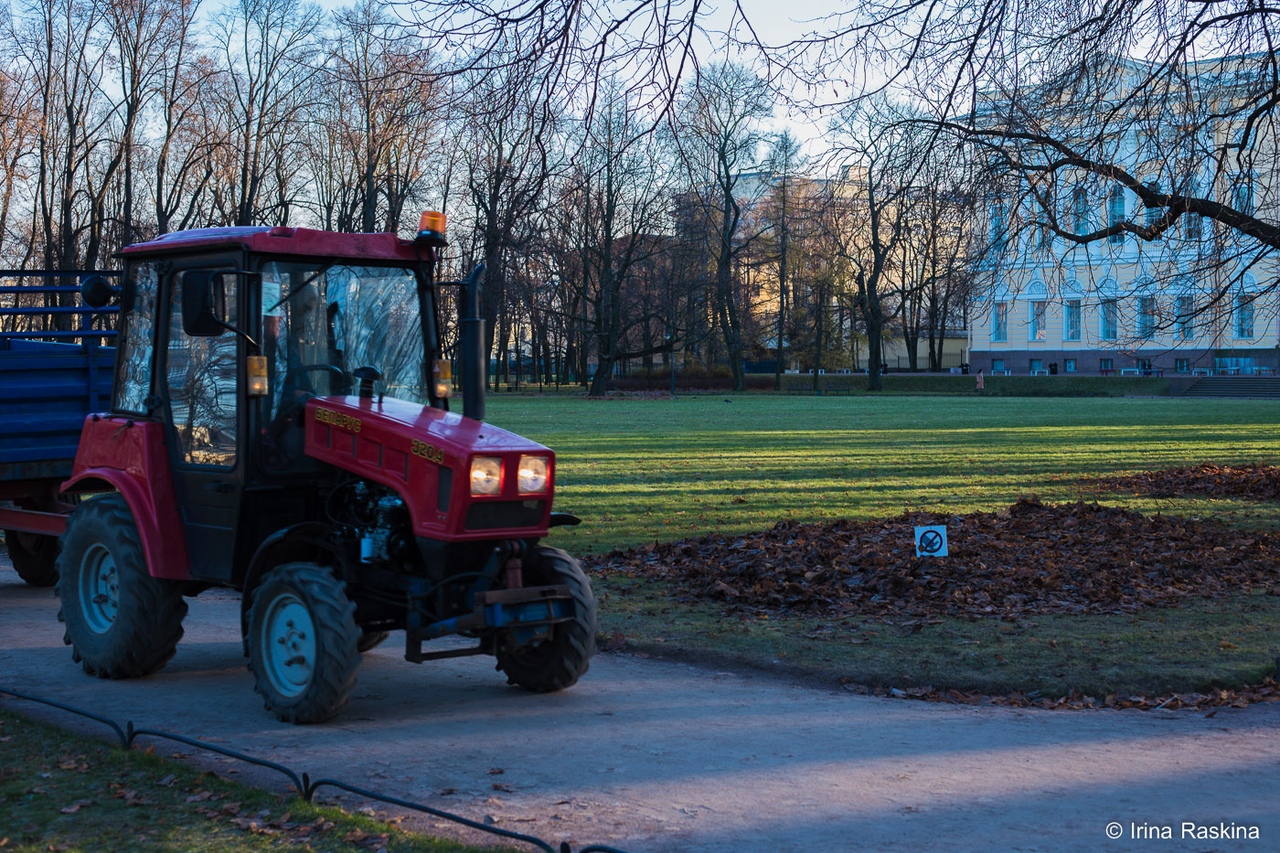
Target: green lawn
(639, 470)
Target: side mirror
(204, 304)
(96, 291)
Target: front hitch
(497, 610)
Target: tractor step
(413, 653)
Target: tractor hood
(461, 479)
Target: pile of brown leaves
(1030, 558)
(1261, 482)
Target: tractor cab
(280, 424)
(228, 333)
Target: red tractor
(280, 425)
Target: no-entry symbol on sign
(931, 541)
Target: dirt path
(648, 755)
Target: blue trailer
(56, 365)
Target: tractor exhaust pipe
(471, 355)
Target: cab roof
(282, 240)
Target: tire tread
(566, 657)
(148, 622)
(333, 613)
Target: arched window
(1072, 315)
(1037, 307)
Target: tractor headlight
(486, 475)
(532, 475)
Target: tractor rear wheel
(302, 643)
(33, 556)
(560, 660)
(121, 622)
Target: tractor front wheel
(121, 622)
(34, 556)
(303, 643)
(557, 661)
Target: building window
(1000, 322)
(1106, 365)
(1182, 365)
(1242, 194)
(1037, 364)
(1244, 315)
(997, 228)
(1071, 320)
(1068, 365)
(1108, 320)
(1193, 223)
(1037, 321)
(1079, 210)
(1115, 213)
(1153, 213)
(1146, 317)
(997, 364)
(1186, 320)
(1193, 226)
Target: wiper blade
(294, 291)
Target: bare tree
(936, 254)
(376, 122)
(1171, 102)
(585, 46)
(267, 48)
(718, 133)
(869, 217)
(187, 126)
(147, 38)
(613, 205)
(508, 146)
(19, 124)
(57, 44)
(781, 211)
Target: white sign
(931, 541)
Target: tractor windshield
(322, 321)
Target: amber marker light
(431, 228)
(257, 375)
(443, 370)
